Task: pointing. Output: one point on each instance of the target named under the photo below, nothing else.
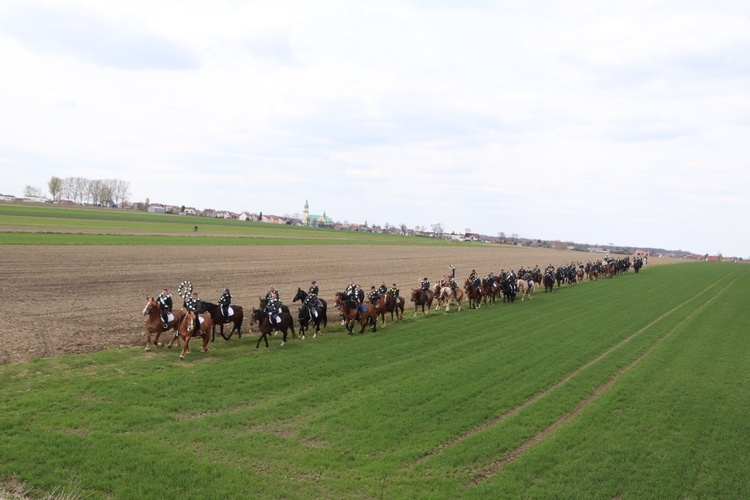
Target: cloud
(81, 34)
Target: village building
(315, 220)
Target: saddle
(230, 311)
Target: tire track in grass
(536, 397)
(489, 470)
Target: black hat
(372, 287)
(313, 282)
(394, 284)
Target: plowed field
(63, 300)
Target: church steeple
(306, 214)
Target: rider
(271, 291)
(273, 306)
(359, 298)
(374, 297)
(311, 301)
(351, 291)
(225, 300)
(194, 305)
(394, 291)
(382, 289)
(165, 303)
(473, 275)
(425, 284)
(313, 290)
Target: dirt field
(62, 300)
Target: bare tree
(438, 229)
(404, 229)
(121, 192)
(33, 191)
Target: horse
(394, 305)
(526, 289)
(509, 289)
(549, 281)
(236, 316)
(447, 295)
(187, 331)
(283, 323)
(262, 306)
(306, 315)
(350, 312)
(474, 295)
(155, 324)
(422, 298)
(489, 290)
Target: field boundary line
(514, 454)
(536, 397)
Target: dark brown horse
(188, 331)
(155, 324)
(351, 313)
(282, 321)
(395, 306)
(236, 316)
(473, 294)
(423, 299)
(316, 314)
(548, 281)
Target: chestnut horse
(350, 313)
(422, 298)
(474, 295)
(187, 331)
(155, 324)
(283, 323)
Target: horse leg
(185, 347)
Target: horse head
(300, 295)
(416, 294)
(151, 304)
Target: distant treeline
(97, 191)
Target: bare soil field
(63, 300)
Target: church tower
(306, 214)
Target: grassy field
(23, 224)
(632, 387)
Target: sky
(624, 123)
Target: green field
(631, 387)
(25, 224)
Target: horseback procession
(198, 318)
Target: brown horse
(379, 307)
(395, 305)
(350, 313)
(422, 298)
(474, 295)
(155, 324)
(284, 322)
(188, 330)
